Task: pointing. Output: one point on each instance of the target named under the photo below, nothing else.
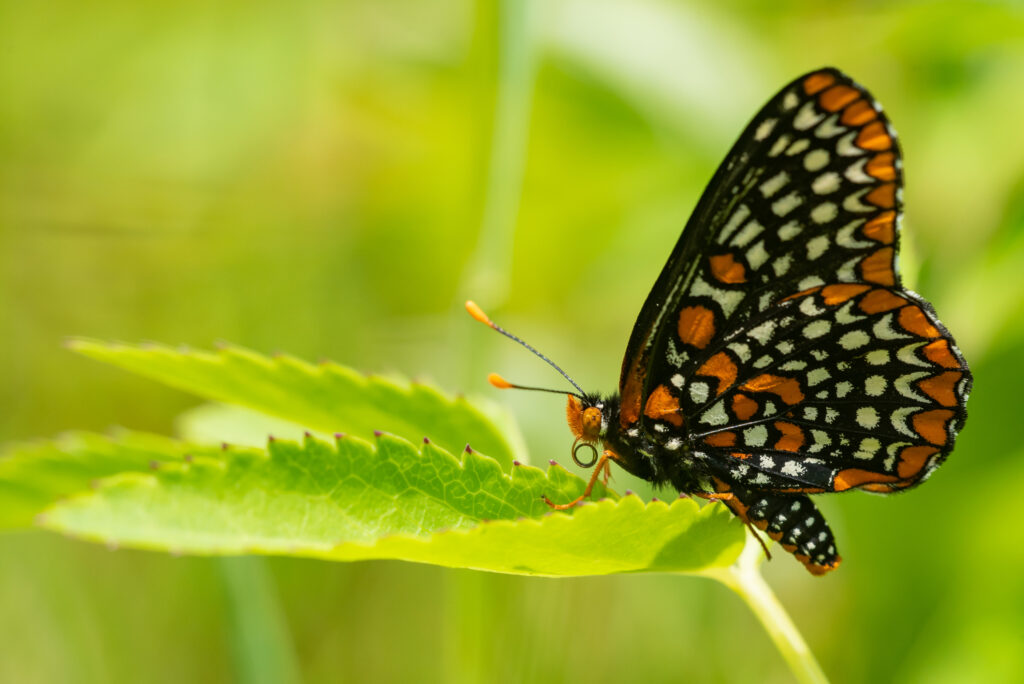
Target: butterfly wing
(778, 338)
(808, 195)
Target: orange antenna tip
(499, 382)
(478, 313)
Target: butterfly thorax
(659, 461)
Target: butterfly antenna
(500, 382)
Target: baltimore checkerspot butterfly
(778, 354)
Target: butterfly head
(586, 417)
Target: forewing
(808, 195)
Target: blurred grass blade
(327, 397)
(354, 500)
(260, 640)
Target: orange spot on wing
(913, 320)
(837, 294)
(941, 387)
(726, 269)
(788, 389)
(802, 293)
(722, 367)
(743, 406)
(696, 325)
(855, 477)
(881, 228)
(792, 436)
(913, 459)
(662, 405)
(883, 196)
(858, 114)
(939, 353)
(629, 412)
(837, 97)
(740, 455)
(818, 82)
(877, 267)
(932, 425)
(880, 301)
(881, 166)
(874, 137)
(721, 439)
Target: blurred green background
(333, 179)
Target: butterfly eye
(577, 445)
(591, 423)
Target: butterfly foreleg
(603, 467)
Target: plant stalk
(744, 578)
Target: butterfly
(778, 355)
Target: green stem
(744, 578)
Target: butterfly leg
(728, 496)
(603, 466)
(792, 520)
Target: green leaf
(327, 397)
(355, 500)
(35, 475)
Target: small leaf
(327, 397)
(355, 500)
